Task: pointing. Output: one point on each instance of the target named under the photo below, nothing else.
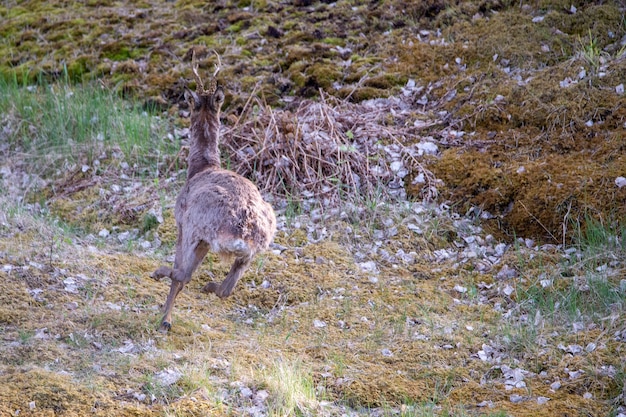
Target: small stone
(245, 392)
(542, 400)
(123, 237)
(460, 289)
(555, 385)
(71, 306)
(261, 396)
(166, 377)
(319, 323)
(139, 396)
(369, 266)
(508, 290)
(515, 398)
(386, 352)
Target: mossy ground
(539, 155)
(503, 61)
(79, 327)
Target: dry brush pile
(326, 148)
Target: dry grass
(328, 148)
(308, 331)
(319, 337)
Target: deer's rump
(227, 212)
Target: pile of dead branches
(327, 148)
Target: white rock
(555, 385)
(319, 323)
(460, 289)
(542, 400)
(590, 347)
(428, 148)
(620, 181)
(369, 266)
(567, 82)
(537, 19)
(508, 290)
(619, 89)
(575, 374)
(516, 398)
(245, 392)
(396, 166)
(260, 397)
(386, 352)
(123, 237)
(167, 377)
(104, 233)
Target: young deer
(217, 209)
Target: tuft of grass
(291, 387)
(57, 125)
(590, 51)
(584, 289)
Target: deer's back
(221, 207)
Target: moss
(78, 68)
(385, 81)
(362, 93)
(334, 41)
(322, 74)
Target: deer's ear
(192, 98)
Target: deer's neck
(204, 150)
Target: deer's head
(205, 100)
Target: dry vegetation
(509, 113)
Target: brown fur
(217, 209)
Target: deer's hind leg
(226, 287)
(166, 271)
(184, 266)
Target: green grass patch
(57, 125)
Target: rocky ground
(448, 179)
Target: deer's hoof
(165, 327)
(210, 287)
(163, 271)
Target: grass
(400, 346)
(585, 285)
(291, 386)
(55, 126)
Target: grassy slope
(409, 342)
(408, 337)
(505, 92)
